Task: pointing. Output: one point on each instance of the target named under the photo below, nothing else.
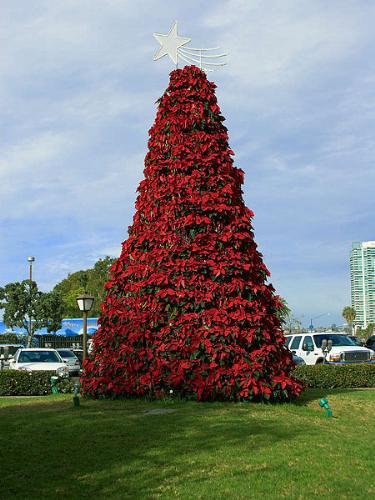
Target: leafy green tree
(98, 278)
(369, 330)
(90, 280)
(361, 333)
(22, 301)
(51, 309)
(283, 311)
(70, 302)
(348, 314)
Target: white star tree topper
(172, 45)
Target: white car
(344, 350)
(71, 360)
(39, 359)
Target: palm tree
(349, 316)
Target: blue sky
(77, 93)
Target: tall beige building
(362, 278)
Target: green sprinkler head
(54, 388)
(76, 395)
(323, 403)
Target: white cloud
(78, 93)
(284, 42)
(63, 37)
(23, 166)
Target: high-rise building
(362, 278)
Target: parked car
(71, 360)
(6, 351)
(344, 350)
(370, 342)
(39, 359)
(9, 349)
(298, 360)
(79, 354)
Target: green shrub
(336, 376)
(65, 386)
(23, 383)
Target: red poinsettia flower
(188, 305)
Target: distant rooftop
(363, 244)
(368, 244)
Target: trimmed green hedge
(65, 386)
(23, 383)
(336, 376)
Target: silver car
(71, 360)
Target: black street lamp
(85, 303)
(30, 260)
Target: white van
(344, 350)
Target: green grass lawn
(115, 449)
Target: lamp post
(30, 260)
(85, 303)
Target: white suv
(344, 350)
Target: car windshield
(337, 340)
(66, 353)
(38, 357)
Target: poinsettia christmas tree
(188, 306)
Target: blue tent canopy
(70, 328)
(90, 330)
(5, 330)
(66, 332)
